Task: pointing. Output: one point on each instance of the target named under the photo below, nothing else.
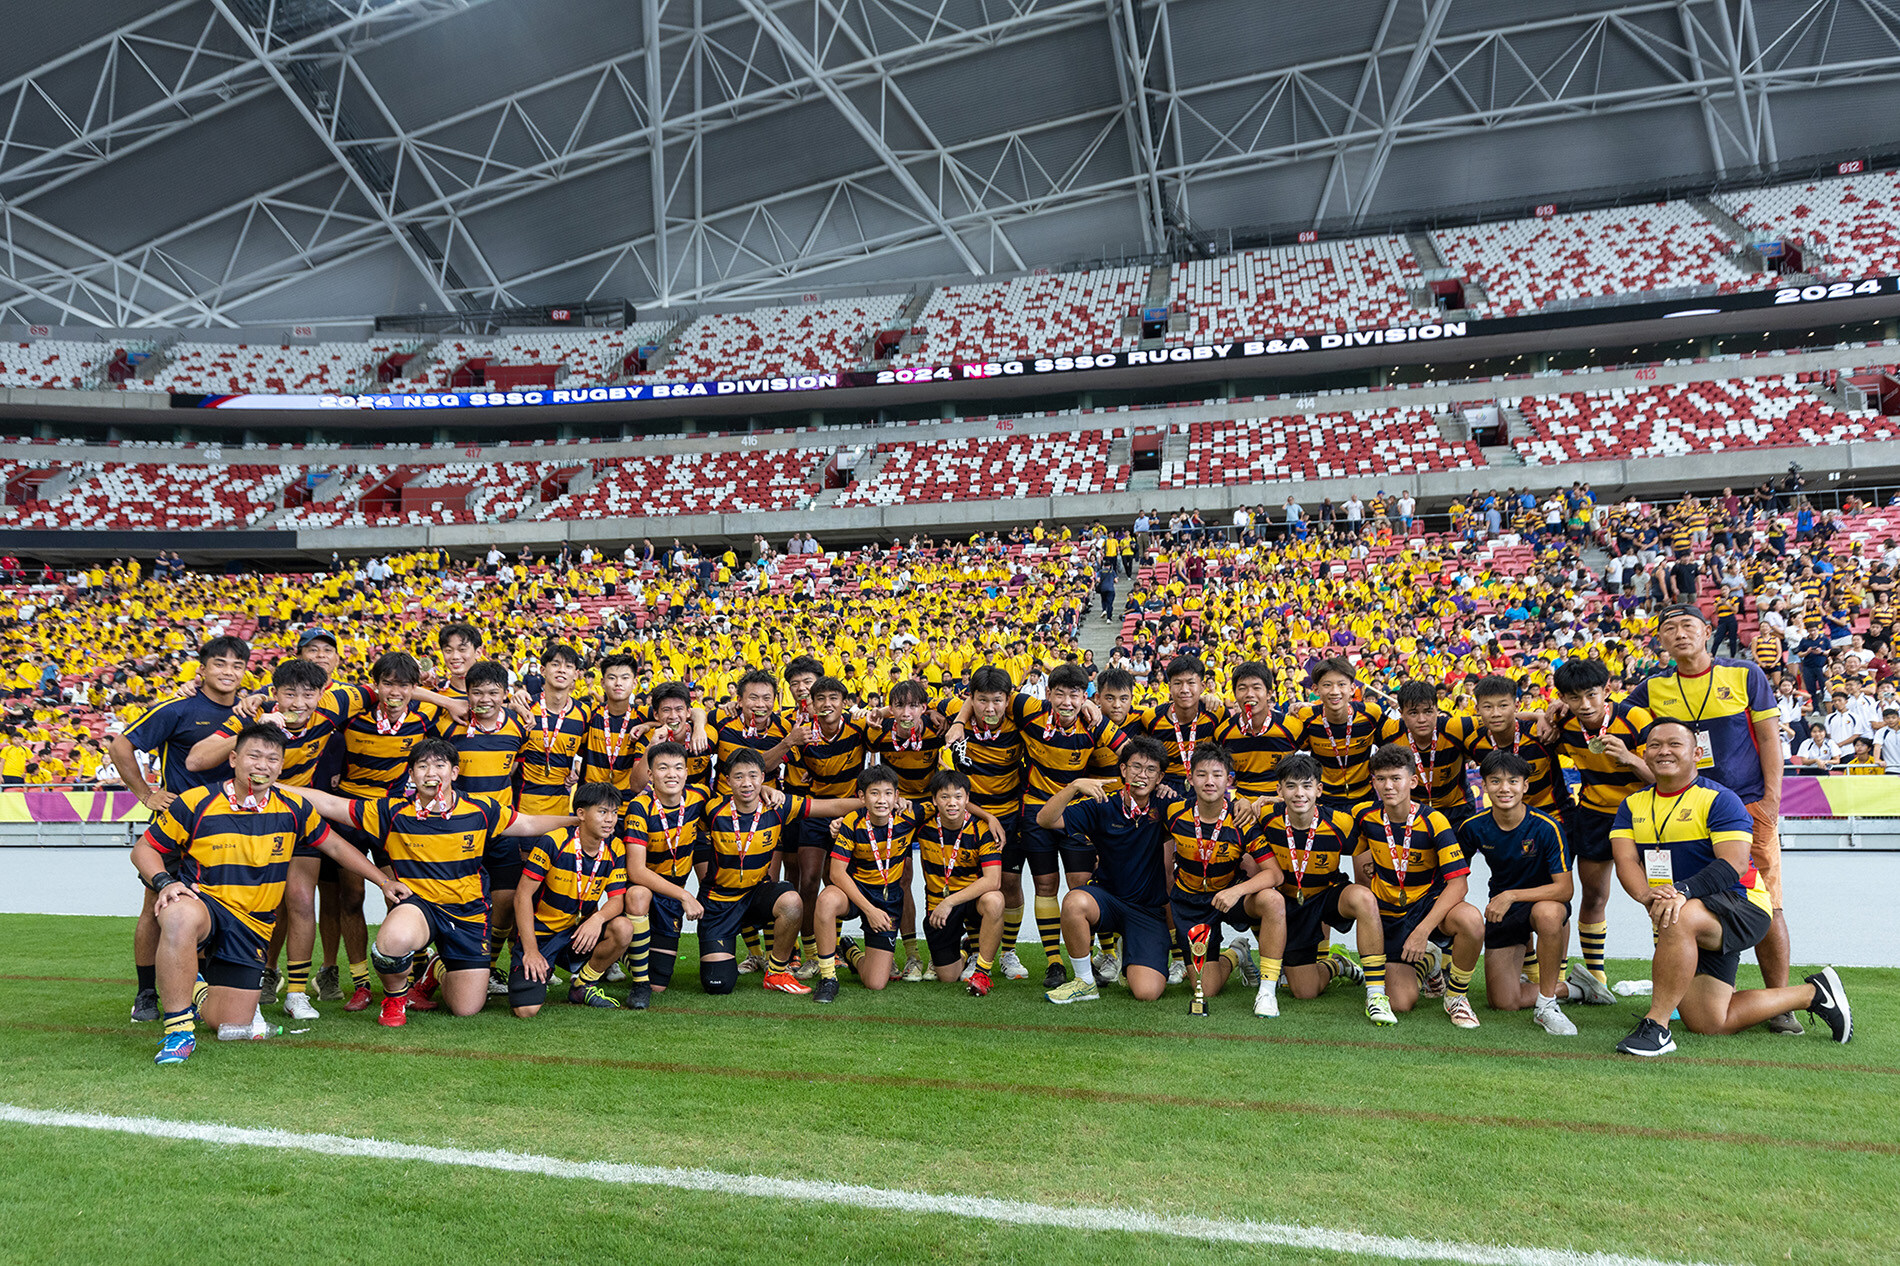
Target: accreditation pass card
(1661, 870)
(1704, 749)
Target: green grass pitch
(1747, 1149)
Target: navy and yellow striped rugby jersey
(672, 839)
(1179, 742)
(439, 855)
(1548, 789)
(1309, 869)
(828, 768)
(547, 758)
(912, 758)
(953, 860)
(733, 734)
(877, 854)
(1689, 824)
(1210, 861)
(742, 844)
(573, 884)
(1524, 857)
(487, 757)
(1257, 744)
(611, 749)
(1056, 757)
(993, 761)
(376, 754)
(237, 856)
(1441, 770)
(1344, 751)
(1430, 855)
(303, 755)
(1606, 780)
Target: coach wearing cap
(1731, 709)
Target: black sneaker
(145, 1006)
(1649, 1039)
(845, 945)
(1056, 976)
(591, 996)
(640, 997)
(827, 990)
(1830, 1004)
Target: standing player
(172, 728)
(611, 751)
(1530, 891)
(1251, 733)
(557, 731)
(1506, 731)
(990, 755)
(488, 739)
(1128, 894)
(757, 726)
(907, 744)
(1182, 723)
(1209, 889)
(461, 647)
(826, 768)
(664, 828)
(1732, 710)
(215, 859)
(568, 907)
(1308, 844)
(435, 840)
(1341, 733)
(1441, 747)
(1604, 740)
(1682, 850)
(1408, 856)
(963, 868)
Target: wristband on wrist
(162, 880)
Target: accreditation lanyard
(615, 743)
(1301, 857)
(1205, 848)
(1184, 745)
(550, 730)
(584, 878)
(1401, 856)
(671, 835)
(882, 858)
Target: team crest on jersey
(276, 846)
(468, 843)
(1724, 693)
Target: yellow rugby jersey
(670, 837)
(1606, 780)
(1723, 702)
(877, 854)
(741, 845)
(993, 761)
(306, 749)
(573, 884)
(1688, 825)
(1309, 856)
(1208, 859)
(953, 860)
(1344, 751)
(1441, 770)
(487, 757)
(1257, 745)
(1425, 859)
(238, 856)
(1548, 790)
(1057, 757)
(610, 750)
(439, 855)
(553, 740)
(828, 768)
(376, 753)
(1179, 741)
(912, 759)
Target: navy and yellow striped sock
(983, 964)
(1373, 965)
(1457, 981)
(827, 966)
(1012, 926)
(1049, 927)
(180, 1021)
(588, 975)
(775, 964)
(359, 974)
(637, 948)
(1591, 938)
(853, 954)
(198, 991)
(297, 977)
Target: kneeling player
(1128, 893)
(963, 882)
(1682, 849)
(1409, 857)
(1208, 887)
(231, 845)
(568, 907)
(870, 867)
(1530, 893)
(1308, 843)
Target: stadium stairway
(1731, 228)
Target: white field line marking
(1079, 1218)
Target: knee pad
(662, 957)
(390, 964)
(719, 978)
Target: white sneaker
(807, 970)
(752, 963)
(297, 1006)
(615, 974)
(1458, 1007)
(1266, 1002)
(1594, 992)
(1108, 968)
(969, 970)
(914, 968)
(497, 983)
(1249, 969)
(1551, 1018)
(1177, 971)
(1012, 966)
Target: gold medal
(1596, 746)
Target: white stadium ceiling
(240, 162)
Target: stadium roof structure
(230, 163)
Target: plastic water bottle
(256, 1031)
